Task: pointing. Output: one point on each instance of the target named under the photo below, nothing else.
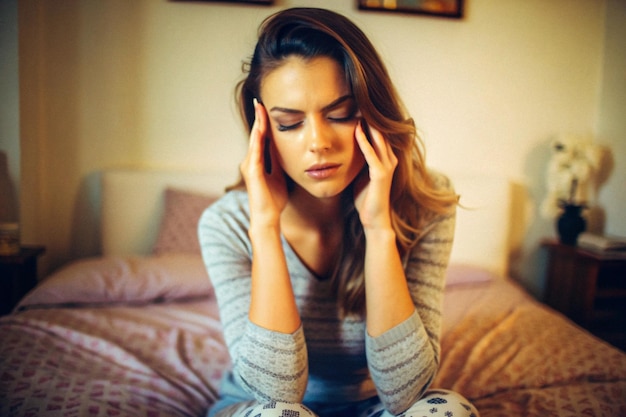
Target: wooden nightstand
(18, 275)
(590, 288)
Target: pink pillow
(179, 226)
(462, 274)
(115, 280)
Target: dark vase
(570, 224)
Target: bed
(136, 331)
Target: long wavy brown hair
(310, 33)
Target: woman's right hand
(267, 191)
(267, 194)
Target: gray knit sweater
(328, 360)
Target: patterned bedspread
(157, 360)
(515, 357)
(508, 354)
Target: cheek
(286, 153)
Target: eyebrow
(334, 104)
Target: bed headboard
(132, 206)
(483, 221)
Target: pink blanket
(114, 337)
(156, 360)
(515, 357)
(142, 337)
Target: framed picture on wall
(263, 2)
(441, 8)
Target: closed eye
(348, 113)
(343, 119)
(285, 128)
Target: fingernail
(255, 103)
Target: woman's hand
(373, 186)
(267, 191)
(388, 301)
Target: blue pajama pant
(435, 403)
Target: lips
(322, 171)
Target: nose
(319, 136)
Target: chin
(326, 193)
(323, 191)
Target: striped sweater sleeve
(404, 360)
(267, 365)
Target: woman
(328, 258)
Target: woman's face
(312, 118)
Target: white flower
(574, 162)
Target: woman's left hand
(373, 186)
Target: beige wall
(9, 114)
(149, 83)
(611, 123)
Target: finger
(382, 147)
(257, 135)
(378, 141)
(380, 144)
(258, 126)
(393, 159)
(261, 116)
(366, 147)
(378, 153)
